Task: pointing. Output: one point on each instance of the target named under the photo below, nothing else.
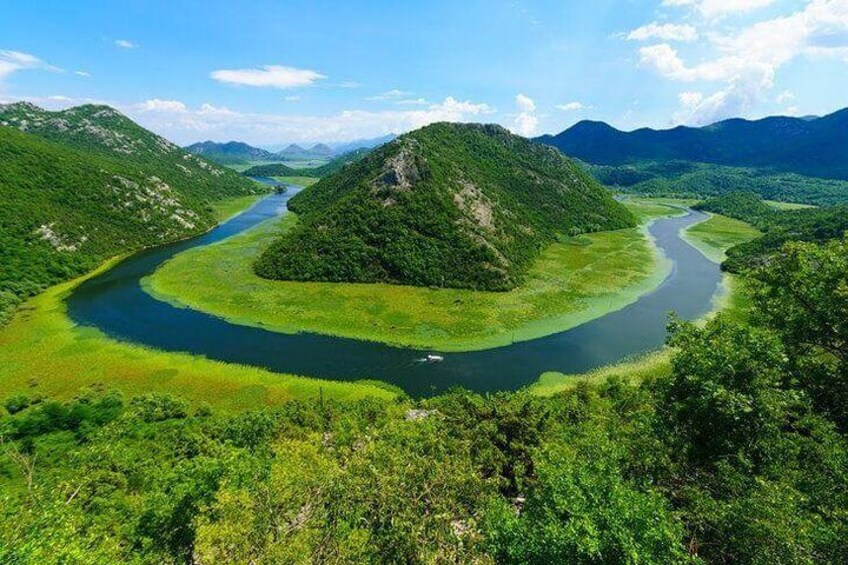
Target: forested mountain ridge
(231, 152)
(458, 205)
(817, 225)
(87, 183)
(809, 146)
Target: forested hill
(232, 152)
(817, 225)
(808, 146)
(456, 205)
(83, 184)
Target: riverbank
(712, 237)
(43, 353)
(571, 283)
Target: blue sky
(277, 72)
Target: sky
(275, 72)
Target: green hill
(467, 206)
(87, 183)
(779, 226)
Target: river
(115, 303)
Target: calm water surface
(115, 303)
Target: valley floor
(570, 284)
(43, 353)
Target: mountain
(281, 170)
(230, 153)
(808, 146)
(368, 143)
(452, 205)
(295, 152)
(322, 149)
(84, 184)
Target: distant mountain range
(232, 152)
(809, 146)
(236, 152)
(87, 183)
(448, 205)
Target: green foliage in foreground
(449, 205)
(700, 180)
(735, 457)
(779, 226)
(86, 184)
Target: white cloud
(690, 99)
(413, 102)
(666, 32)
(525, 122)
(292, 98)
(570, 106)
(125, 44)
(157, 105)
(393, 94)
(785, 96)
(747, 61)
(85, 74)
(177, 121)
(720, 8)
(13, 61)
(275, 76)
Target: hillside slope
(808, 146)
(84, 184)
(449, 205)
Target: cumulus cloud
(85, 74)
(184, 124)
(158, 105)
(125, 44)
(275, 76)
(785, 96)
(747, 62)
(13, 61)
(666, 32)
(525, 122)
(720, 8)
(570, 106)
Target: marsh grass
(572, 282)
(43, 353)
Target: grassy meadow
(572, 282)
(716, 235)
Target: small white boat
(431, 359)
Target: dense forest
(85, 184)
(449, 205)
(701, 180)
(778, 226)
(811, 146)
(739, 455)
